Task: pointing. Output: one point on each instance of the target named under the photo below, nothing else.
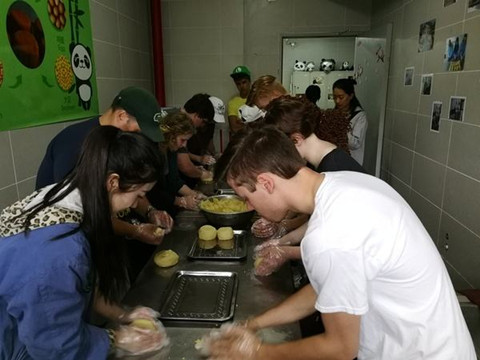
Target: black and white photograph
(426, 36)
(448, 2)
(473, 5)
(455, 50)
(426, 84)
(408, 78)
(436, 113)
(457, 108)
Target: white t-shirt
(366, 253)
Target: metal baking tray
(239, 251)
(200, 296)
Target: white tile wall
(438, 172)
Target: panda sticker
(81, 61)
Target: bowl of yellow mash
(226, 210)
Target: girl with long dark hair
(346, 101)
(59, 255)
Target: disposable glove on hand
(161, 218)
(149, 233)
(133, 340)
(231, 342)
(269, 259)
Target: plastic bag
(231, 341)
(268, 259)
(134, 341)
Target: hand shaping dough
(159, 232)
(144, 324)
(166, 258)
(257, 262)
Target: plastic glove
(161, 218)
(149, 233)
(132, 340)
(138, 312)
(249, 323)
(263, 228)
(208, 160)
(267, 243)
(266, 229)
(189, 202)
(269, 259)
(281, 230)
(206, 175)
(199, 195)
(233, 343)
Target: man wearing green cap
(133, 109)
(241, 77)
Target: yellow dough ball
(166, 258)
(144, 324)
(225, 233)
(159, 232)
(225, 238)
(207, 244)
(226, 244)
(207, 233)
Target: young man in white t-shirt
(376, 275)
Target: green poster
(47, 71)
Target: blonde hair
(176, 124)
(264, 86)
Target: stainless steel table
(254, 294)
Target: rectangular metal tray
(200, 296)
(238, 252)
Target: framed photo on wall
(436, 114)
(426, 36)
(473, 5)
(457, 108)
(408, 76)
(426, 84)
(455, 50)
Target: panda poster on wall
(47, 71)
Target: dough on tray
(225, 237)
(207, 233)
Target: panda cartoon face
(327, 65)
(81, 62)
(310, 66)
(299, 65)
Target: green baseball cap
(141, 104)
(240, 70)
